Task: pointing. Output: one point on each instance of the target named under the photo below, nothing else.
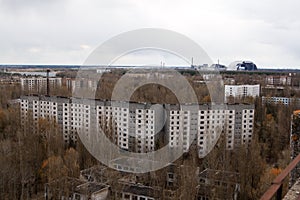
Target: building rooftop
(71, 185)
(124, 103)
(89, 188)
(94, 174)
(139, 189)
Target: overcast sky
(67, 31)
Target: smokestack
(48, 84)
(192, 64)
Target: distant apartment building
(276, 100)
(69, 83)
(9, 80)
(79, 83)
(241, 91)
(142, 127)
(279, 80)
(39, 84)
(281, 100)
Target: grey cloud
(229, 30)
(15, 5)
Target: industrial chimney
(48, 84)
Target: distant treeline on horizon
(39, 66)
(20, 66)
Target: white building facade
(234, 121)
(39, 84)
(182, 126)
(281, 100)
(145, 130)
(140, 127)
(241, 91)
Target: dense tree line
(30, 157)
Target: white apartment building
(182, 126)
(121, 116)
(70, 84)
(114, 121)
(281, 100)
(39, 84)
(44, 109)
(76, 119)
(72, 115)
(212, 123)
(37, 109)
(141, 127)
(235, 121)
(149, 123)
(179, 129)
(247, 125)
(240, 91)
(106, 122)
(278, 80)
(24, 112)
(145, 130)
